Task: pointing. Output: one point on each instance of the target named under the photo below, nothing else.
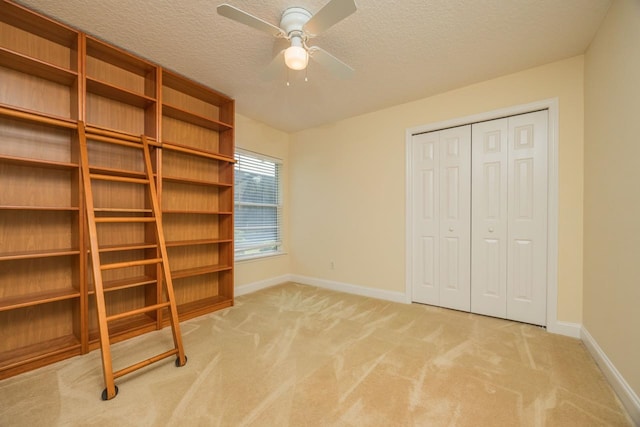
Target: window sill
(258, 257)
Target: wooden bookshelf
(120, 90)
(41, 233)
(197, 193)
(38, 55)
(47, 307)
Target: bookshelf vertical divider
(47, 306)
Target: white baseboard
(625, 393)
(562, 328)
(350, 289)
(261, 284)
(568, 329)
(321, 283)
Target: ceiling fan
(298, 26)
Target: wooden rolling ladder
(89, 174)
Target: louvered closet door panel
(489, 218)
(425, 208)
(455, 221)
(527, 224)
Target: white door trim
(553, 325)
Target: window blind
(257, 199)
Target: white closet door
(527, 225)
(441, 218)
(489, 218)
(455, 218)
(425, 218)
(509, 218)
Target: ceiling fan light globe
(296, 57)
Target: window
(258, 206)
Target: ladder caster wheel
(178, 365)
(104, 393)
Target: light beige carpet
(295, 355)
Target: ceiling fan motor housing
(293, 19)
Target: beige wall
(260, 138)
(347, 182)
(612, 197)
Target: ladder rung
(144, 363)
(118, 178)
(137, 311)
(129, 282)
(126, 264)
(126, 219)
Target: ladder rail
(105, 347)
(173, 311)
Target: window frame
(278, 206)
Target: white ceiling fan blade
(274, 68)
(332, 13)
(331, 63)
(243, 17)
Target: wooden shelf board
(27, 20)
(123, 329)
(181, 148)
(32, 353)
(31, 116)
(194, 181)
(41, 208)
(118, 57)
(44, 70)
(194, 212)
(178, 243)
(37, 298)
(116, 93)
(37, 254)
(196, 119)
(196, 90)
(198, 271)
(45, 164)
(198, 308)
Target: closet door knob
(490, 229)
(450, 228)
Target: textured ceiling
(402, 50)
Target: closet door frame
(551, 105)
